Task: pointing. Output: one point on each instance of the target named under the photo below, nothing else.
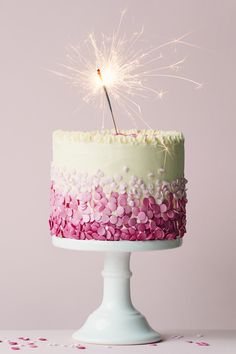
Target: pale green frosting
(150, 137)
(150, 154)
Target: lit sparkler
(108, 99)
(118, 65)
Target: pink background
(44, 287)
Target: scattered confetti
(41, 341)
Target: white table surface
(174, 342)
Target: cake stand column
(116, 321)
(116, 285)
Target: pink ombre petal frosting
(115, 216)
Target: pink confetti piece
(15, 348)
(203, 344)
(177, 337)
(24, 338)
(12, 343)
(81, 347)
(42, 339)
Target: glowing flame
(107, 76)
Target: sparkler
(108, 99)
(124, 70)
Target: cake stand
(116, 321)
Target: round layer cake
(111, 187)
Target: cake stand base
(116, 321)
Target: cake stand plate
(116, 321)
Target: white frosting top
(148, 154)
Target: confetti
(203, 344)
(53, 344)
(177, 337)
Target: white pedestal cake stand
(116, 321)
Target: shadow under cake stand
(116, 321)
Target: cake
(111, 187)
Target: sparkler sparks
(119, 65)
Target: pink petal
(163, 208)
(113, 219)
(120, 211)
(101, 231)
(141, 216)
